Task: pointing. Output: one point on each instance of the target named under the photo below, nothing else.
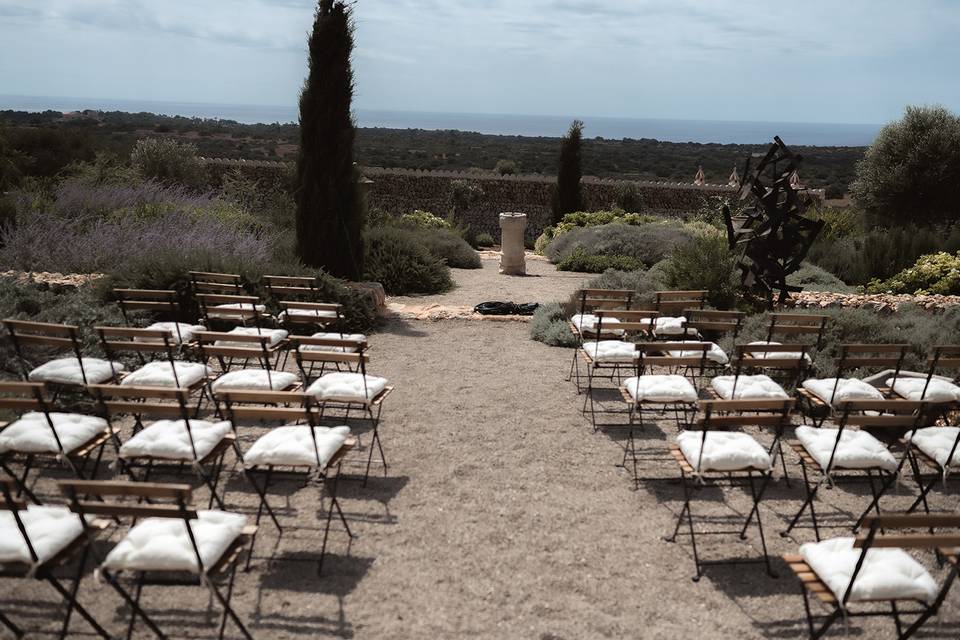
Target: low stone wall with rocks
(877, 302)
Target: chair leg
(134, 604)
(227, 609)
(808, 502)
(875, 503)
(689, 517)
(136, 598)
(374, 439)
(757, 496)
(72, 603)
(14, 629)
(22, 488)
(223, 618)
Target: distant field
(50, 140)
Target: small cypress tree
(568, 197)
(329, 206)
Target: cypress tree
(329, 206)
(567, 197)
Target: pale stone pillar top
(512, 258)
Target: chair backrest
(22, 397)
(225, 347)
(894, 415)
(791, 325)
(147, 402)
(116, 341)
(311, 314)
(207, 282)
(780, 357)
(886, 531)
(285, 287)
(670, 303)
(870, 356)
(651, 354)
(241, 309)
(153, 500)
(714, 322)
(591, 299)
(628, 320)
(160, 302)
(59, 337)
(310, 352)
(716, 415)
(944, 356)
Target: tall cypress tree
(329, 209)
(567, 197)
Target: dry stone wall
(398, 191)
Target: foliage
(402, 264)
(485, 240)
(169, 162)
(10, 159)
(627, 197)
(449, 247)
(643, 283)
(813, 278)
(543, 241)
(270, 204)
(706, 263)
(550, 325)
(568, 196)
(463, 195)
(505, 167)
(911, 171)
(645, 244)
(423, 220)
(938, 273)
(330, 207)
(595, 218)
(584, 262)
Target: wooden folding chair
(709, 454)
(71, 440)
(583, 323)
(163, 305)
(669, 303)
(850, 451)
(223, 309)
(820, 396)
(936, 448)
(231, 349)
(345, 391)
(822, 569)
(598, 353)
(199, 548)
(302, 304)
(175, 440)
(797, 326)
(297, 449)
(305, 348)
(211, 282)
(709, 322)
(73, 371)
(939, 390)
(64, 537)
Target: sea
(667, 130)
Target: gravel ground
(501, 515)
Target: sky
(850, 61)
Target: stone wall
(398, 191)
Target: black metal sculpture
(771, 232)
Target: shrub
(506, 167)
(643, 283)
(597, 218)
(402, 264)
(810, 276)
(449, 247)
(423, 220)
(485, 240)
(910, 172)
(936, 273)
(707, 264)
(646, 244)
(626, 196)
(170, 162)
(583, 262)
(550, 325)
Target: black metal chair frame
(591, 299)
(160, 302)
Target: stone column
(513, 262)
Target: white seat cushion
(347, 386)
(161, 374)
(857, 449)
(936, 442)
(169, 439)
(778, 355)
(714, 354)
(611, 351)
(301, 314)
(587, 322)
(672, 326)
(913, 389)
(276, 336)
(186, 331)
(847, 389)
(156, 544)
(758, 387)
(724, 451)
(352, 337)
(254, 380)
(67, 371)
(290, 445)
(660, 388)
(226, 310)
(32, 434)
(886, 574)
(50, 530)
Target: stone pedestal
(513, 262)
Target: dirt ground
(501, 515)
